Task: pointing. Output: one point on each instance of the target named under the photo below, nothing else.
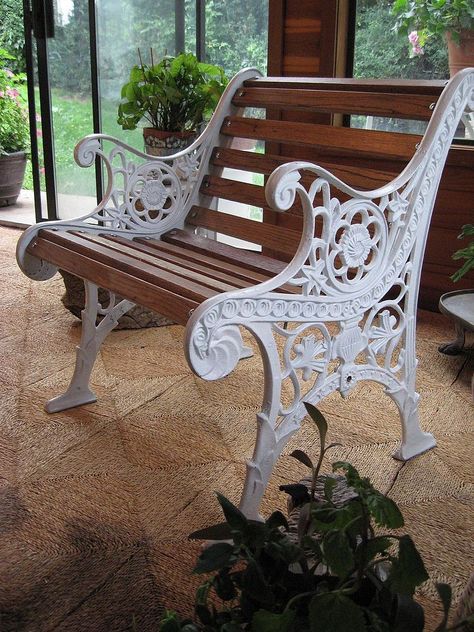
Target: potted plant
(14, 133)
(421, 19)
(340, 573)
(174, 97)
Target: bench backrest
(297, 125)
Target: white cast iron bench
(332, 298)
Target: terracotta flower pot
(161, 143)
(461, 55)
(12, 172)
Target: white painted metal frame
(341, 327)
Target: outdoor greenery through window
(381, 52)
(236, 36)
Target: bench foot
(70, 399)
(92, 336)
(414, 445)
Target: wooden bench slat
(183, 266)
(331, 139)
(141, 270)
(413, 106)
(175, 266)
(251, 260)
(192, 257)
(358, 175)
(386, 86)
(265, 234)
(140, 291)
(234, 190)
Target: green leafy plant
(341, 574)
(14, 130)
(422, 19)
(176, 95)
(465, 253)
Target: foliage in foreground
(339, 573)
(466, 253)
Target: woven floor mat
(96, 503)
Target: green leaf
(384, 511)
(235, 518)
(219, 531)
(334, 612)
(329, 485)
(170, 622)
(338, 553)
(276, 520)
(302, 457)
(320, 421)
(374, 547)
(409, 615)
(264, 621)
(445, 594)
(255, 584)
(408, 570)
(214, 557)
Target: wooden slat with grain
(262, 233)
(196, 273)
(324, 137)
(130, 265)
(168, 303)
(385, 86)
(251, 260)
(411, 106)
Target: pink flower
(13, 92)
(416, 48)
(42, 170)
(39, 133)
(9, 73)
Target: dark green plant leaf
(170, 622)
(409, 615)
(302, 457)
(255, 584)
(219, 531)
(203, 613)
(384, 511)
(214, 557)
(334, 612)
(329, 485)
(376, 624)
(277, 519)
(235, 518)
(375, 546)
(408, 570)
(445, 594)
(338, 554)
(224, 586)
(320, 421)
(202, 592)
(264, 621)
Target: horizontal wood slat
(172, 305)
(234, 190)
(251, 260)
(332, 139)
(263, 233)
(130, 265)
(387, 86)
(195, 273)
(412, 106)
